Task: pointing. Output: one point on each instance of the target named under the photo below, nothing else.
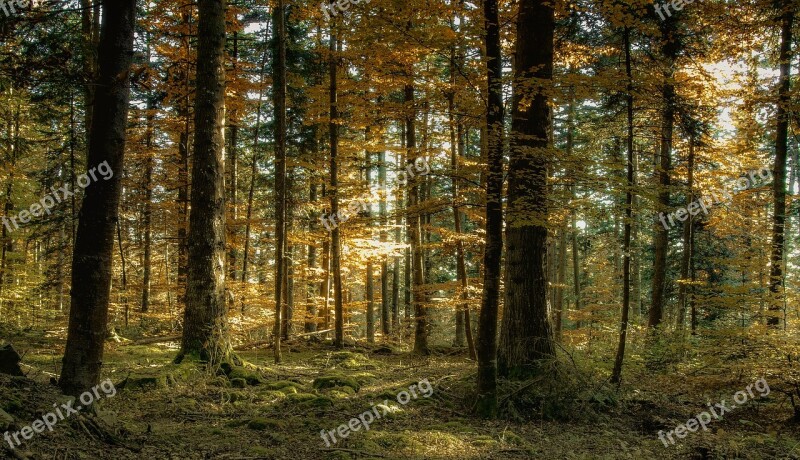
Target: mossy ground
(269, 411)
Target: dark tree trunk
(490, 302)
(779, 171)
(148, 211)
(91, 264)
(687, 240)
(311, 306)
(386, 326)
(205, 327)
(279, 94)
(336, 265)
(660, 234)
(233, 168)
(526, 336)
(616, 375)
(415, 234)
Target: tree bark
(336, 247)
(779, 170)
(526, 337)
(91, 265)
(669, 50)
(279, 94)
(205, 332)
(616, 374)
(490, 302)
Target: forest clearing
(423, 229)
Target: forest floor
(266, 411)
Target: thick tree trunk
(91, 265)
(205, 320)
(486, 405)
(526, 336)
(779, 170)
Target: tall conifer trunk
(91, 263)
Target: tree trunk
(279, 95)
(254, 162)
(148, 209)
(779, 170)
(91, 265)
(205, 320)
(369, 282)
(669, 51)
(526, 336)
(386, 325)
(616, 375)
(415, 234)
(233, 168)
(311, 305)
(490, 302)
(687, 239)
(336, 247)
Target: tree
(205, 333)
(487, 331)
(279, 94)
(91, 263)
(779, 171)
(526, 337)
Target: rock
(9, 361)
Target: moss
(11, 405)
(144, 382)
(285, 386)
(260, 424)
(334, 381)
(300, 397)
(249, 376)
(364, 378)
(238, 383)
(483, 441)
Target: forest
(401, 229)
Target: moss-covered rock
(252, 377)
(334, 381)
